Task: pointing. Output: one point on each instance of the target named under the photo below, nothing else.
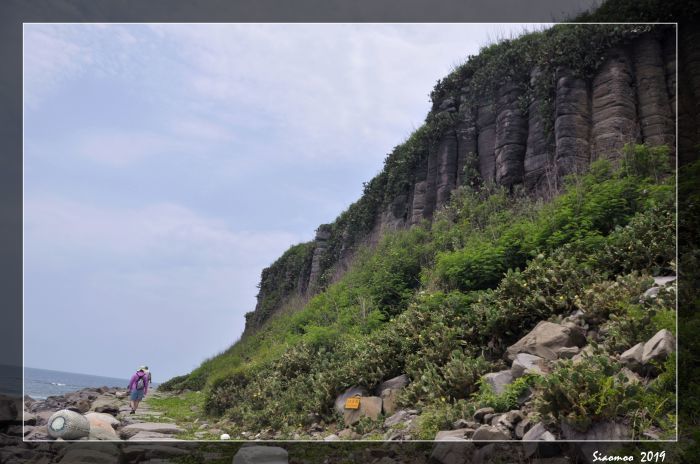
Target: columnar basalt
(656, 121)
(466, 142)
(511, 135)
(486, 141)
(614, 106)
(447, 168)
(321, 242)
(538, 152)
(572, 123)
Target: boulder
(107, 405)
(522, 428)
(546, 339)
(69, 425)
(158, 427)
(144, 435)
(489, 433)
(348, 434)
(261, 455)
(659, 347)
(389, 399)
(332, 437)
(536, 434)
(108, 418)
(87, 456)
(452, 453)
(525, 363)
(479, 414)
(402, 416)
(102, 426)
(663, 281)
(10, 409)
(396, 383)
(370, 406)
(600, 431)
(454, 435)
(499, 380)
(350, 392)
(632, 358)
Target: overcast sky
(166, 165)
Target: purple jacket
(135, 378)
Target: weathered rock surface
(538, 151)
(572, 123)
(539, 433)
(102, 426)
(389, 400)
(466, 142)
(511, 136)
(489, 433)
(546, 339)
(659, 347)
(452, 453)
(69, 425)
(370, 406)
(261, 455)
(447, 168)
(499, 380)
(157, 427)
(454, 435)
(486, 141)
(632, 358)
(525, 363)
(597, 432)
(655, 118)
(614, 108)
(349, 393)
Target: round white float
(69, 425)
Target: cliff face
(539, 120)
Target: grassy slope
(441, 303)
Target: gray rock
(546, 339)
(399, 417)
(659, 347)
(525, 363)
(157, 427)
(102, 426)
(350, 392)
(597, 432)
(539, 433)
(453, 435)
(522, 428)
(87, 456)
(452, 453)
(389, 400)
(489, 433)
(261, 455)
(568, 352)
(539, 150)
(370, 406)
(486, 140)
(331, 437)
(511, 135)
(69, 425)
(499, 380)
(572, 124)
(614, 106)
(348, 434)
(447, 168)
(144, 435)
(663, 281)
(396, 383)
(480, 413)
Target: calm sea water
(41, 383)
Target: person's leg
(136, 404)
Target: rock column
(572, 123)
(511, 136)
(486, 141)
(466, 143)
(447, 168)
(655, 116)
(538, 151)
(614, 110)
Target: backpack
(140, 383)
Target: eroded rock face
(499, 380)
(655, 118)
(486, 141)
(572, 123)
(614, 108)
(538, 152)
(466, 142)
(546, 340)
(659, 347)
(68, 425)
(349, 393)
(370, 406)
(511, 136)
(447, 168)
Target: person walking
(138, 387)
(148, 374)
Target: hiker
(138, 387)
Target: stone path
(146, 424)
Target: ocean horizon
(42, 383)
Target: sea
(42, 383)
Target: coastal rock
(539, 433)
(525, 363)
(511, 135)
(452, 453)
(158, 427)
(395, 383)
(10, 409)
(546, 339)
(489, 433)
(479, 414)
(370, 406)
(349, 393)
(499, 380)
(659, 347)
(632, 358)
(260, 455)
(389, 399)
(572, 124)
(454, 435)
(69, 425)
(102, 426)
(151, 436)
(599, 431)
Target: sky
(166, 165)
